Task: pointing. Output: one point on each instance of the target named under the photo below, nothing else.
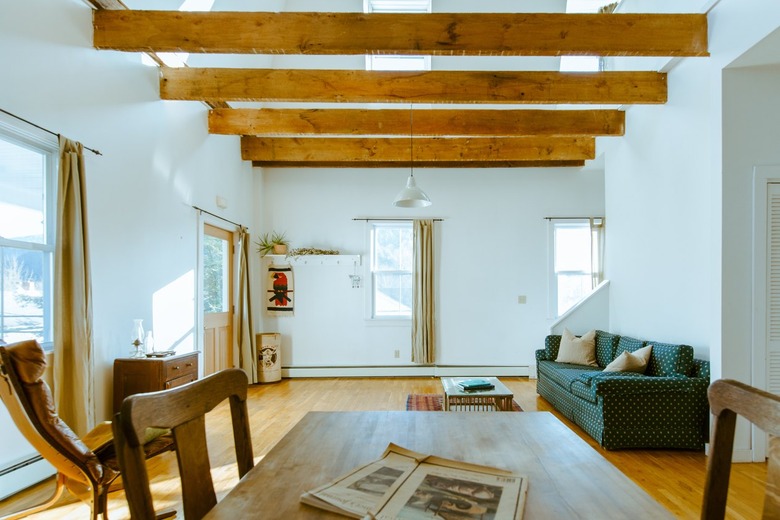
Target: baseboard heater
(406, 371)
(23, 474)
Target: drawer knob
(175, 367)
(189, 364)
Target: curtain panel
(423, 308)
(246, 336)
(72, 312)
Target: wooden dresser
(135, 376)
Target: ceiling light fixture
(411, 196)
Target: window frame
(39, 141)
(555, 223)
(371, 316)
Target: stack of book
(471, 385)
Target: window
(391, 269)
(576, 259)
(393, 61)
(27, 169)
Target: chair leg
(44, 505)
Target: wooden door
(217, 299)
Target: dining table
(567, 478)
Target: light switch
(521, 299)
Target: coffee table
(499, 399)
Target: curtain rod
(96, 152)
(394, 218)
(221, 218)
(570, 218)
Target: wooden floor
(674, 478)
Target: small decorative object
(137, 339)
(149, 343)
(272, 242)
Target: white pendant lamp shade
(411, 196)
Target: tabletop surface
(451, 387)
(567, 478)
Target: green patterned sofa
(666, 407)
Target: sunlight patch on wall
(173, 314)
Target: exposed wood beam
(360, 86)
(426, 149)
(470, 34)
(430, 164)
(301, 122)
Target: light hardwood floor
(674, 478)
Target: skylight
(390, 61)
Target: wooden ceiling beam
(467, 34)
(430, 164)
(426, 149)
(451, 123)
(359, 86)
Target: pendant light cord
(411, 141)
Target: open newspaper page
(409, 485)
(442, 488)
(366, 488)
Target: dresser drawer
(183, 380)
(180, 367)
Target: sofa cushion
(631, 361)
(626, 344)
(668, 359)
(563, 374)
(551, 345)
(606, 344)
(577, 351)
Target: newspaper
(408, 485)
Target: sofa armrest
(541, 355)
(626, 384)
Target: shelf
(315, 259)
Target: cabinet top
(160, 359)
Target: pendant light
(411, 196)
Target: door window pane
(215, 269)
(22, 193)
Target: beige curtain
(596, 251)
(423, 330)
(246, 335)
(72, 313)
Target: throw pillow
(631, 361)
(578, 351)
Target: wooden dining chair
(183, 410)
(727, 400)
(87, 465)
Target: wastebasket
(269, 357)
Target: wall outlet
(396, 354)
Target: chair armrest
(622, 384)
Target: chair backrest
(30, 405)
(182, 410)
(727, 400)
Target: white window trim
(389, 321)
(552, 280)
(28, 136)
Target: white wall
(158, 160)
(492, 247)
(677, 198)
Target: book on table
(406, 484)
(476, 384)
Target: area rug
(433, 403)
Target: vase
(280, 249)
(137, 339)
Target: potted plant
(272, 242)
